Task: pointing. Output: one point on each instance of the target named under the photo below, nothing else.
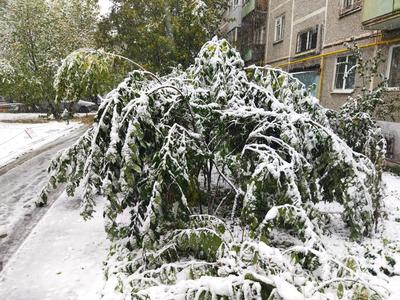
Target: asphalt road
(20, 183)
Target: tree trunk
(209, 196)
(168, 23)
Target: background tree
(87, 73)
(34, 36)
(160, 33)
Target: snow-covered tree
(355, 122)
(87, 73)
(213, 177)
(35, 35)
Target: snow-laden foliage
(6, 72)
(82, 73)
(355, 118)
(213, 176)
(86, 72)
(34, 36)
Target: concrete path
(61, 259)
(46, 253)
(20, 183)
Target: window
(307, 40)
(345, 73)
(348, 4)
(348, 7)
(310, 79)
(279, 28)
(394, 67)
(259, 35)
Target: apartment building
(232, 21)
(245, 27)
(306, 38)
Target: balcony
(381, 15)
(253, 5)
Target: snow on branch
(157, 151)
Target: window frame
(390, 144)
(282, 28)
(310, 32)
(259, 35)
(342, 90)
(389, 68)
(349, 6)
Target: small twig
(136, 64)
(237, 191)
(338, 279)
(222, 201)
(183, 97)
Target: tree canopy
(34, 36)
(160, 33)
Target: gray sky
(104, 6)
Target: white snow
(286, 290)
(19, 116)
(391, 230)
(60, 259)
(17, 139)
(105, 6)
(338, 247)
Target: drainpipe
(321, 77)
(387, 42)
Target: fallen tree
(212, 177)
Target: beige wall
(335, 29)
(299, 16)
(304, 24)
(339, 28)
(329, 97)
(278, 51)
(302, 8)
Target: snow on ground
(387, 236)
(391, 226)
(61, 258)
(17, 139)
(20, 185)
(19, 116)
(10, 117)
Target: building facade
(306, 38)
(232, 23)
(245, 27)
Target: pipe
(338, 52)
(321, 77)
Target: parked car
(80, 106)
(11, 107)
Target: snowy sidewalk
(61, 258)
(18, 139)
